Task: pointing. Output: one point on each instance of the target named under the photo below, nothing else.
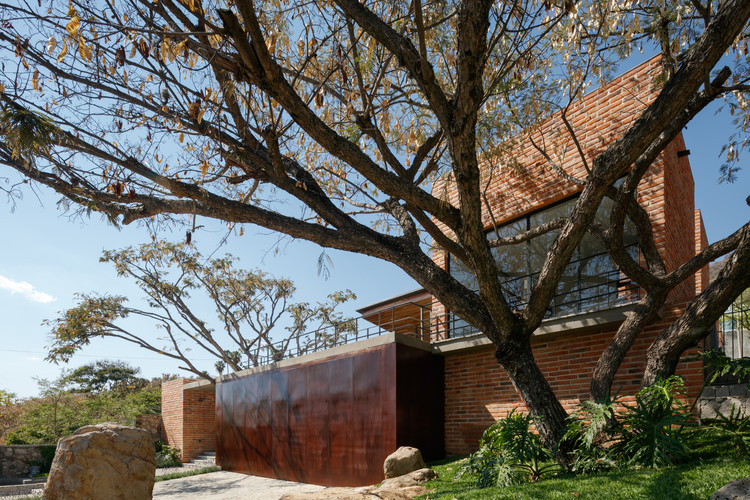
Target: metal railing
(731, 335)
(604, 291)
(611, 290)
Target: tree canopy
(332, 121)
(257, 319)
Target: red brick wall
(171, 411)
(188, 418)
(701, 242)
(679, 212)
(523, 182)
(478, 392)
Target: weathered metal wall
(332, 422)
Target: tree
(105, 375)
(61, 408)
(8, 413)
(250, 307)
(350, 112)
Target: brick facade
(189, 421)
(477, 391)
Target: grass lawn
(704, 473)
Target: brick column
(188, 419)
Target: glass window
(590, 281)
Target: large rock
(736, 490)
(397, 488)
(414, 478)
(403, 461)
(105, 461)
(368, 493)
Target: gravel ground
(10, 495)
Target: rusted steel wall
(334, 421)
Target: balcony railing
(731, 335)
(423, 323)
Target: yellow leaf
(51, 44)
(35, 80)
(2, 88)
(204, 168)
(181, 137)
(63, 52)
(73, 26)
(25, 64)
(84, 50)
(200, 115)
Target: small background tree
(252, 310)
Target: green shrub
(167, 456)
(593, 430)
(652, 428)
(509, 452)
(736, 428)
(48, 455)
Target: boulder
(403, 461)
(397, 488)
(368, 493)
(414, 478)
(736, 490)
(104, 461)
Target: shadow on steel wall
(332, 422)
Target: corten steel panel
(340, 421)
(282, 456)
(331, 422)
(316, 449)
(372, 445)
(231, 432)
(297, 427)
(420, 401)
(219, 404)
(246, 407)
(264, 462)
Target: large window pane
(590, 282)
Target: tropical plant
(509, 452)
(594, 431)
(736, 428)
(652, 427)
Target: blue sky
(46, 258)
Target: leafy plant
(594, 430)
(651, 428)
(48, 455)
(509, 452)
(736, 427)
(718, 364)
(167, 456)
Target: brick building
(425, 378)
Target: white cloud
(25, 289)
(33, 358)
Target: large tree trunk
(611, 358)
(701, 314)
(549, 415)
